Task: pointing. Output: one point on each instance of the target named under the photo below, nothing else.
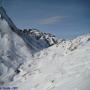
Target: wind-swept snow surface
(58, 68)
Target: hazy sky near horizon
(64, 18)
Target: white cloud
(51, 20)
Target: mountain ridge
(50, 40)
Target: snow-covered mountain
(18, 46)
(34, 38)
(33, 60)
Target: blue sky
(64, 18)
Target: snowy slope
(58, 68)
